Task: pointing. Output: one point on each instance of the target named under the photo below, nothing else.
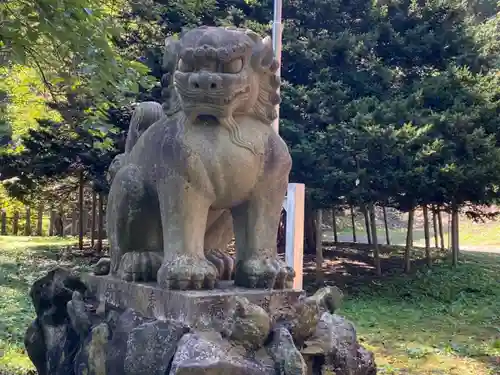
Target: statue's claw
(264, 273)
(139, 266)
(222, 261)
(187, 272)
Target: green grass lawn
(442, 321)
(22, 260)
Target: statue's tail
(145, 115)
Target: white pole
(277, 31)
(294, 201)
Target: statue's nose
(205, 81)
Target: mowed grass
(444, 321)
(439, 321)
(22, 261)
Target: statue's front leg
(256, 226)
(184, 212)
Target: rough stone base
(89, 325)
(200, 309)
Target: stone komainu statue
(210, 164)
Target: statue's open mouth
(197, 96)
(208, 119)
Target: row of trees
(393, 103)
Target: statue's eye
(184, 66)
(233, 67)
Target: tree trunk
(52, 221)
(60, 221)
(409, 241)
(454, 235)
(74, 222)
(3, 230)
(15, 223)
(449, 230)
(100, 225)
(27, 228)
(334, 226)
(93, 225)
(376, 254)
(309, 231)
(386, 226)
(80, 212)
(39, 221)
(434, 226)
(440, 224)
(353, 222)
(428, 257)
(319, 247)
(367, 225)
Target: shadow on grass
(439, 320)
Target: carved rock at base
(286, 356)
(151, 347)
(75, 333)
(210, 354)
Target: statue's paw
(140, 266)
(264, 272)
(102, 267)
(222, 261)
(187, 272)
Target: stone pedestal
(95, 325)
(200, 309)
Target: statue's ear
(268, 42)
(171, 54)
(267, 53)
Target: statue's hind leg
(134, 227)
(218, 235)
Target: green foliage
(392, 102)
(70, 43)
(26, 99)
(52, 158)
(398, 105)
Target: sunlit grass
(444, 321)
(22, 260)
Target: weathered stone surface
(209, 354)
(91, 359)
(51, 342)
(34, 342)
(77, 333)
(286, 356)
(214, 161)
(117, 347)
(197, 308)
(302, 317)
(248, 325)
(62, 343)
(78, 315)
(151, 347)
(335, 339)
